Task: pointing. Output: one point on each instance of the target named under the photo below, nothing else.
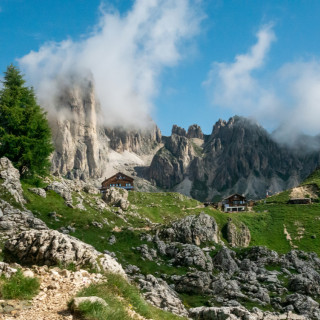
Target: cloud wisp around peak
(125, 55)
(287, 99)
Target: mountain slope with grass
(176, 253)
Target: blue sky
(192, 84)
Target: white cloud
(233, 84)
(125, 54)
(287, 99)
(301, 94)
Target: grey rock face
(195, 131)
(238, 156)
(112, 240)
(304, 305)
(81, 146)
(97, 224)
(51, 247)
(39, 191)
(178, 131)
(90, 189)
(189, 255)
(132, 269)
(158, 293)
(198, 282)
(62, 189)
(147, 253)
(239, 313)
(224, 260)
(213, 313)
(139, 141)
(13, 220)
(82, 143)
(304, 283)
(238, 236)
(228, 289)
(241, 277)
(170, 164)
(11, 177)
(117, 197)
(263, 256)
(192, 229)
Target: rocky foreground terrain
(184, 266)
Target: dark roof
(118, 174)
(235, 194)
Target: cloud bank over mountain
(125, 55)
(286, 99)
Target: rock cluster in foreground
(50, 247)
(11, 180)
(284, 284)
(14, 220)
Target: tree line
(25, 136)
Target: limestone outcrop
(238, 235)
(158, 292)
(39, 191)
(14, 220)
(11, 180)
(116, 197)
(62, 189)
(194, 229)
(84, 146)
(238, 313)
(50, 247)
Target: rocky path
(56, 290)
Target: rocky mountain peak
(178, 131)
(219, 124)
(81, 145)
(194, 131)
(238, 156)
(84, 147)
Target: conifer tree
(25, 136)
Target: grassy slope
(120, 296)
(266, 223)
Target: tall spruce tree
(25, 136)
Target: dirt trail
(56, 290)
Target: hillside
(167, 238)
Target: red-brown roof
(118, 174)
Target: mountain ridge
(239, 155)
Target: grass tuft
(120, 297)
(19, 287)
